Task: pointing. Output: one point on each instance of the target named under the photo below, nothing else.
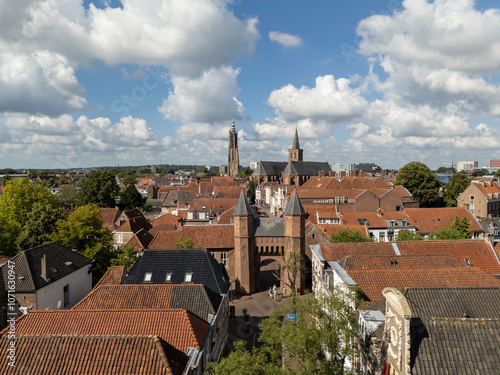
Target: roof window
(168, 277)
(467, 262)
(147, 277)
(188, 277)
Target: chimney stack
(44, 267)
(321, 174)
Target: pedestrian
(274, 291)
(270, 292)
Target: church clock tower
(295, 153)
(233, 161)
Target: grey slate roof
(305, 168)
(203, 266)
(452, 346)
(61, 262)
(294, 206)
(196, 298)
(269, 227)
(175, 196)
(270, 168)
(243, 208)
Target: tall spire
(295, 145)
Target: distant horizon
(389, 82)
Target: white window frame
(148, 277)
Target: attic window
(363, 222)
(188, 277)
(467, 262)
(433, 222)
(203, 207)
(53, 269)
(392, 223)
(147, 277)
(168, 277)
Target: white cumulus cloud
(285, 39)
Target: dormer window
(467, 262)
(392, 223)
(404, 223)
(188, 277)
(148, 276)
(168, 277)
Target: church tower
(233, 161)
(295, 153)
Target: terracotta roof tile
(375, 219)
(333, 252)
(62, 354)
(162, 228)
(329, 229)
(479, 252)
(135, 224)
(140, 240)
(392, 262)
(372, 282)
(216, 204)
(203, 237)
(113, 276)
(167, 219)
(429, 220)
(226, 217)
(193, 297)
(109, 217)
(179, 327)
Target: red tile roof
(479, 252)
(113, 276)
(372, 282)
(120, 355)
(398, 262)
(162, 228)
(179, 327)
(376, 219)
(323, 211)
(429, 220)
(203, 237)
(135, 224)
(167, 219)
(140, 240)
(333, 252)
(109, 217)
(226, 217)
(216, 204)
(127, 296)
(329, 229)
(488, 188)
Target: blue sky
(138, 82)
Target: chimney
(321, 174)
(331, 174)
(44, 267)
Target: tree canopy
(408, 235)
(251, 191)
(326, 324)
(184, 243)
(131, 198)
(349, 235)
(419, 180)
(100, 188)
(455, 186)
(459, 230)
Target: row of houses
(167, 315)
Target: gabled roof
(196, 298)
(113, 276)
(199, 263)
(429, 220)
(305, 168)
(294, 206)
(333, 252)
(226, 217)
(207, 236)
(167, 219)
(322, 183)
(62, 355)
(134, 212)
(243, 207)
(373, 282)
(215, 204)
(28, 266)
(140, 240)
(174, 196)
(379, 219)
(270, 168)
(179, 327)
(162, 228)
(228, 191)
(135, 224)
(109, 217)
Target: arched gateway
(259, 239)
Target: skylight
(147, 277)
(188, 277)
(168, 277)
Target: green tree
(184, 243)
(459, 230)
(446, 170)
(293, 265)
(419, 180)
(83, 231)
(41, 223)
(349, 235)
(19, 197)
(9, 231)
(408, 235)
(455, 186)
(125, 257)
(323, 324)
(131, 198)
(251, 191)
(68, 197)
(100, 188)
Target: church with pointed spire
(294, 172)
